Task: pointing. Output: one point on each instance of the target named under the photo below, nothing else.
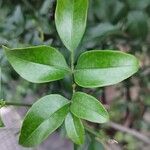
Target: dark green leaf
(119, 11)
(89, 108)
(102, 9)
(95, 145)
(38, 64)
(137, 24)
(44, 117)
(138, 4)
(70, 19)
(74, 128)
(46, 7)
(84, 145)
(99, 68)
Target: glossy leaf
(38, 64)
(89, 108)
(44, 117)
(99, 68)
(74, 128)
(70, 19)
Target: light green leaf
(44, 117)
(74, 128)
(99, 68)
(89, 108)
(70, 19)
(38, 64)
(2, 103)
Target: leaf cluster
(94, 68)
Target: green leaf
(17, 16)
(38, 64)
(119, 11)
(46, 7)
(44, 117)
(103, 30)
(89, 108)
(74, 128)
(95, 145)
(84, 145)
(138, 4)
(100, 68)
(2, 103)
(70, 19)
(137, 24)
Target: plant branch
(89, 129)
(17, 104)
(121, 128)
(4, 103)
(92, 131)
(132, 132)
(72, 69)
(75, 146)
(72, 61)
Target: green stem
(92, 131)
(17, 104)
(75, 146)
(72, 70)
(72, 61)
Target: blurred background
(112, 24)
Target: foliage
(44, 64)
(115, 29)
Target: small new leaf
(89, 108)
(74, 128)
(38, 64)
(70, 19)
(44, 117)
(100, 68)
